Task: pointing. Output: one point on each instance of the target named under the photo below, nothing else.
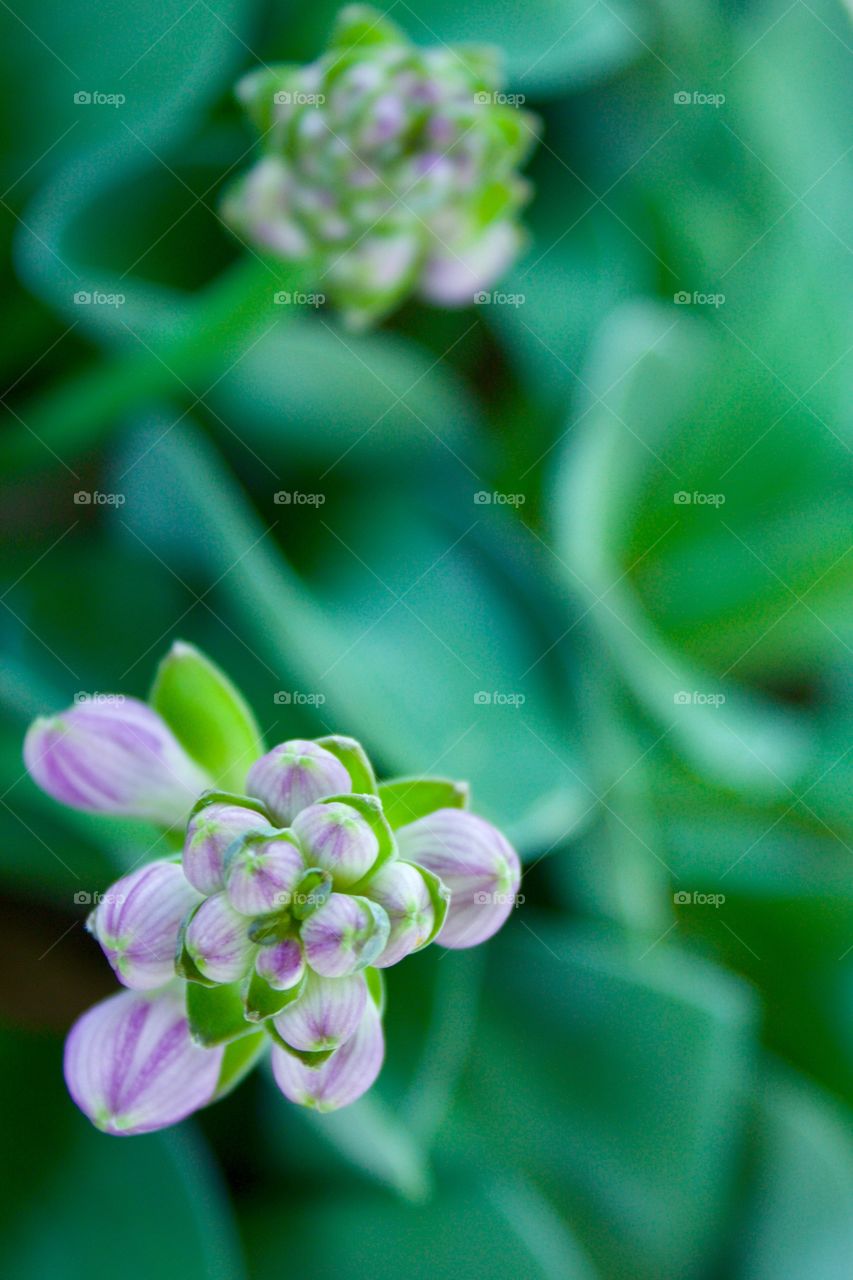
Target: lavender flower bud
(114, 757)
(281, 965)
(131, 1066)
(217, 940)
(294, 775)
(402, 891)
(347, 933)
(339, 840)
(326, 1013)
(349, 1073)
(392, 166)
(261, 874)
(476, 863)
(210, 832)
(138, 921)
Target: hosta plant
(296, 880)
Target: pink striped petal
(114, 757)
(282, 965)
(209, 834)
(138, 920)
(263, 875)
(345, 934)
(218, 941)
(294, 775)
(337, 839)
(325, 1015)
(476, 863)
(131, 1066)
(401, 890)
(344, 1077)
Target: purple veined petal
(294, 775)
(344, 1077)
(282, 965)
(114, 757)
(453, 279)
(138, 920)
(401, 890)
(217, 939)
(261, 877)
(476, 863)
(337, 839)
(325, 1015)
(131, 1066)
(210, 832)
(345, 934)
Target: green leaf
(355, 760)
(375, 980)
(263, 1001)
(407, 799)
(207, 714)
(239, 1058)
(217, 1015)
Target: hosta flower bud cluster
(392, 168)
(272, 925)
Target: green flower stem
(227, 318)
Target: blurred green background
(589, 548)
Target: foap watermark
(83, 98)
(497, 899)
(683, 498)
(285, 298)
(696, 698)
(94, 498)
(487, 498)
(298, 98)
(696, 98)
(296, 698)
(95, 298)
(496, 698)
(295, 498)
(83, 898)
(694, 898)
(498, 99)
(100, 699)
(697, 299)
(494, 298)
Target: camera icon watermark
(487, 498)
(494, 298)
(83, 98)
(82, 898)
(696, 98)
(482, 898)
(95, 298)
(683, 498)
(296, 698)
(94, 497)
(295, 498)
(297, 98)
(696, 698)
(100, 699)
(498, 99)
(286, 298)
(694, 898)
(497, 698)
(698, 299)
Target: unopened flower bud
(338, 839)
(114, 757)
(282, 965)
(261, 873)
(132, 1067)
(217, 940)
(401, 890)
(476, 863)
(349, 1073)
(347, 933)
(138, 920)
(210, 832)
(293, 775)
(326, 1013)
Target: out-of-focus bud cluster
(392, 169)
(273, 925)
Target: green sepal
(440, 899)
(206, 713)
(377, 940)
(361, 25)
(263, 1001)
(375, 980)
(216, 1014)
(236, 847)
(256, 91)
(266, 931)
(237, 1061)
(227, 797)
(316, 884)
(310, 1058)
(405, 800)
(355, 760)
(369, 807)
(185, 966)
